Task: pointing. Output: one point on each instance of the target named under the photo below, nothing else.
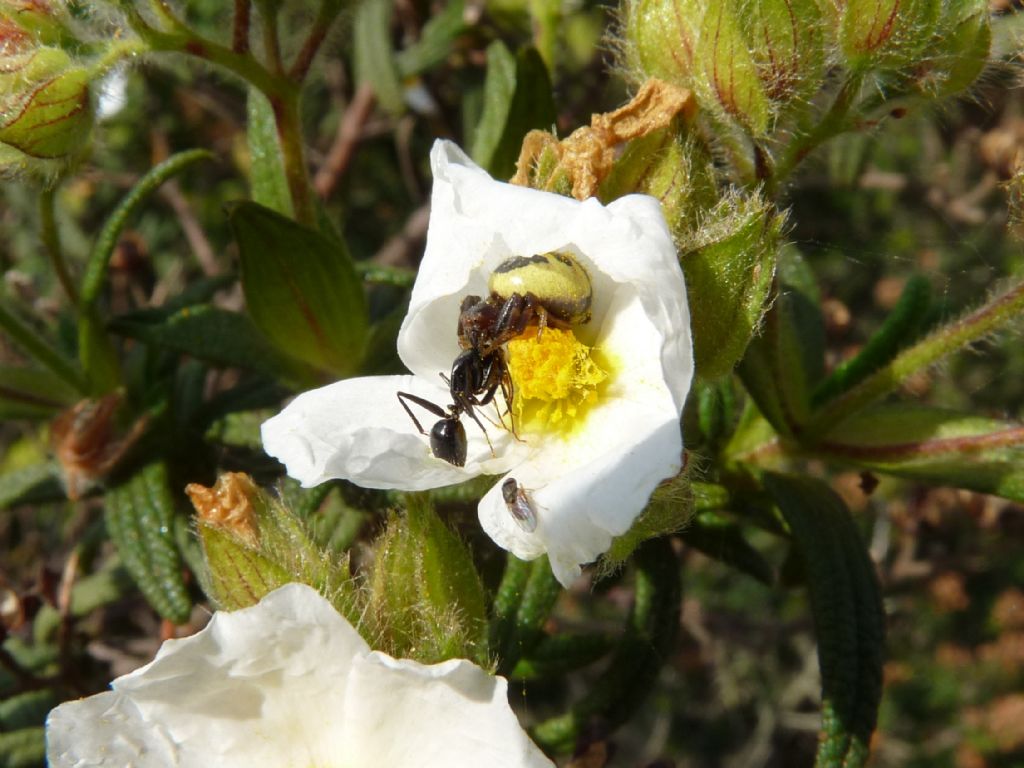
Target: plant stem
(832, 123)
(279, 89)
(289, 134)
(271, 42)
(929, 350)
(325, 17)
(51, 242)
(240, 26)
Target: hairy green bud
(426, 599)
(958, 52)
(886, 34)
(252, 544)
(787, 42)
(45, 100)
(661, 38)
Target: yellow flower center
(555, 378)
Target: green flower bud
(728, 80)
(886, 34)
(958, 52)
(45, 109)
(661, 39)
(729, 263)
(426, 599)
(252, 544)
(39, 18)
(787, 41)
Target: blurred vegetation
(924, 197)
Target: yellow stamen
(555, 378)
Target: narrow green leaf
(139, 517)
(26, 709)
(517, 99)
(24, 748)
(301, 289)
(21, 482)
(36, 346)
(436, 40)
(99, 259)
(267, 178)
(722, 540)
(33, 393)
(847, 607)
(216, 335)
(933, 445)
(374, 58)
(902, 327)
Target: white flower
(288, 682)
(587, 471)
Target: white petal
(357, 430)
(590, 487)
(452, 714)
(259, 686)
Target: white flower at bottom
(289, 682)
(590, 455)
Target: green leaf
(216, 335)
(933, 445)
(18, 483)
(902, 327)
(374, 59)
(99, 259)
(517, 99)
(436, 41)
(267, 178)
(24, 748)
(847, 607)
(140, 520)
(33, 393)
(301, 289)
(723, 540)
(36, 346)
(26, 709)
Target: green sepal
(668, 511)
(139, 518)
(669, 166)
(729, 263)
(52, 118)
(886, 34)
(426, 598)
(788, 48)
(933, 445)
(517, 98)
(301, 289)
(660, 39)
(728, 83)
(849, 619)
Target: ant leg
(422, 403)
(472, 415)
